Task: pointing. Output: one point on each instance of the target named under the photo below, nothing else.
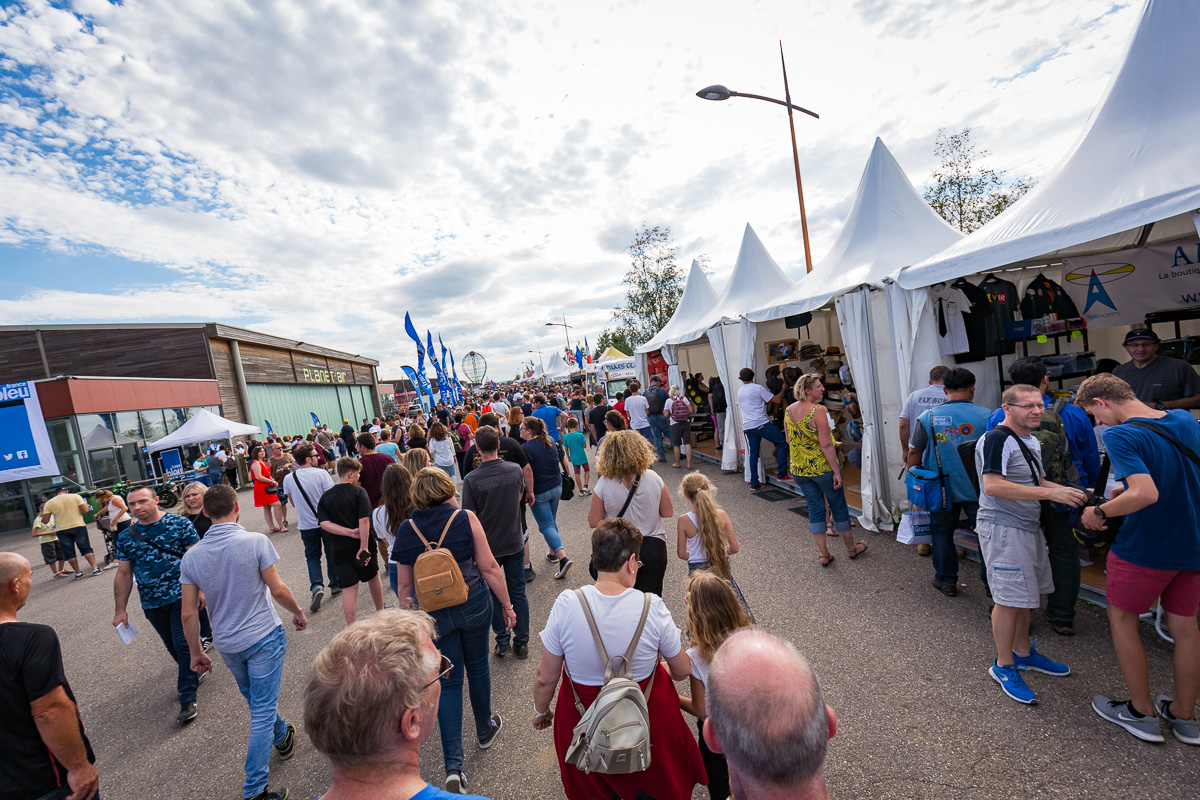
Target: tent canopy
(101, 437)
(697, 300)
(557, 369)
(755, 280)
(204, 426)
(611, 353)
(1133, 166)
(889, 226)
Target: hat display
(854, 431)
(850, 401)
(844, 374)
(833, 350)
(809, 349)
(1141, 333)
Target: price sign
(1076, 334)
(1042, 339)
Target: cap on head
(1141, 333)
(655, 379)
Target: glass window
(176, 417)
(153, 424)
(88, 424)
(128, 424)
(62, 435)
(104, 466)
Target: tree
(964, 192)
(654, 283)
(616, 339)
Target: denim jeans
(463, 638)
(754, 437)
(816, 491)
(168, 624)
(660, 428)
(312, 554)
(514, 577)
(448, 469)
(258, 671)
(944, 555)
(393, 578)
(545, 513)
(1063, 552)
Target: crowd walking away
(446, 503)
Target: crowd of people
(444, 501)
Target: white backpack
(613, 734)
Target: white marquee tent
(204, 426)
(557, 369)
(1131, 178)
(697, 300)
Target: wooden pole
(796, 159)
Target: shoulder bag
(137, 537)
(436, 575)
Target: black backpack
(655, 397)
(717, 390)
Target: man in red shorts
(1156, 552)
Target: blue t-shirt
(459, 539)
(546, 465)
(430, 793)
(1085, 452)
(953, 422)
(1166, 534)
(576, 444)
(157, 572)
(549, 415)
(388, 449)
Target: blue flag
(578, 356)
(443, 389)
(269, 431)
(454, 398)
(316, 422)
(421, 382)
(412, 376)
(454, 377)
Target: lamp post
(718, 92)
(541, 361)
(565, 328)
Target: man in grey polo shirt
(235, 569)
(1008, 524)
(493, 490)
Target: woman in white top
(704, 535)
(396, 491)
(624, 461)
(567, 641)
(441, 447)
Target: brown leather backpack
(436, 575)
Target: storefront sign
(25, 450)
(1122, 288)
(317, 375)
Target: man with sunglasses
(1160, 382)
(372, 728)
(1013, 486)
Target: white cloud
(483, 165)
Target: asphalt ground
(903, 667)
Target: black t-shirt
(596, 417)
(344, 504)
(527, 409)
(1002, 303)
(200, 522)
(546, 465)
(510, 450)
(30, 668)
(443, 416)
(717, 390)
(418, 442)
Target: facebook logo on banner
(17, 448)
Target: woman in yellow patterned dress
(814, 466)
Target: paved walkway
(903, 667)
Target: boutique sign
(1122, 288)
(25, 450)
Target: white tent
(889, 226)
(557, 369)
(1131, 178)
(204, 426)
(101, 437)
(697, 300)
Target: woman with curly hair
(629, 489)
(416, 437)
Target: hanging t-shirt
(981, 325)
(949, 306)
(1043, 297)
(1001, 296)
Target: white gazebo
(204, 426)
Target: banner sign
(421, 382)
(455, 399)
(412, 376)
(25, 450)
(437, 367)
(1122, 288)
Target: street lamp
(540, 359)
(719, 92)
(565, 328)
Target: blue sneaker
(1036, 662)
(1010, 680)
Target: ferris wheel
(475, 367)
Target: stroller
(110, 540)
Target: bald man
(767, 714)
(42, 736)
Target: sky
(315, 170)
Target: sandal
(859, 549)
(827, 560)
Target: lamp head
(716, 92)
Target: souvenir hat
(850, 400)
(833, 350)
(854, 431)
(809, 349)
(844, 374)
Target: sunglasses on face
(443, 671)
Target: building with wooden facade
(139, 382)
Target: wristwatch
(1099, 512)
(1160, 405)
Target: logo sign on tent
(1122, 288)
(25, 450)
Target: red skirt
(675, 762)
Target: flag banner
(25, 450)
(455, 399)
(269, 431)
(443, 389)
(412, 376)
(1122, 288)
(316, 422)
(454, 377)
(579, 356)
(421, 382)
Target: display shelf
(1174, 315)
(1057, 338)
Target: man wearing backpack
(933, 444)
(1070, 457)
(1156, 552)
(660, 426)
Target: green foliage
(964, 192)
(617, 339)
(654, 284)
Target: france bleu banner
(454, 396)
(412, 376)
(454, 377)
(443, 390)
(421, 382)
(25, 450)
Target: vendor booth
(168, 454)
(836, 317)
(1107, 241)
